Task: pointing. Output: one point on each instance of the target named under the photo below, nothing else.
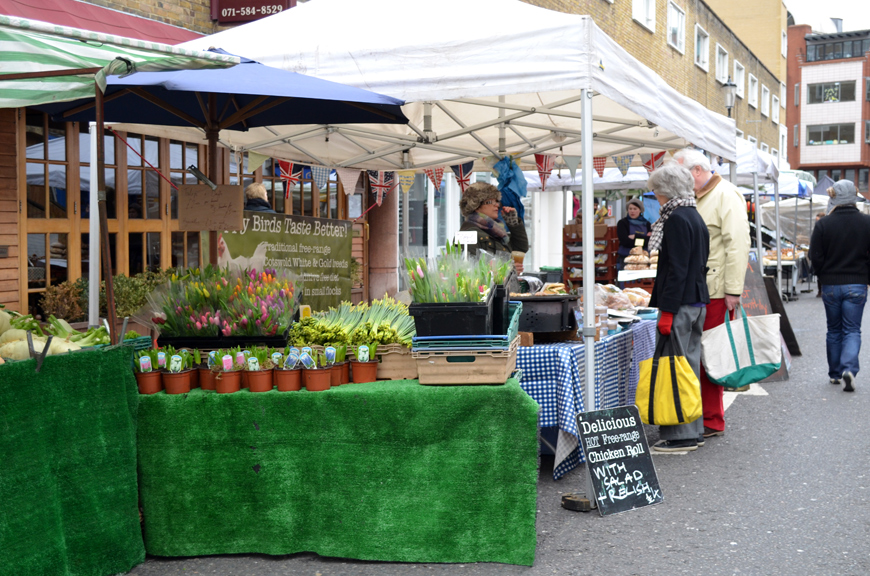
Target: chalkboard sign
(617, 454)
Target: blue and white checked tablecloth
(554, 375)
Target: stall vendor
(630, 229)
(480, 206)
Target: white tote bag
(742, 351)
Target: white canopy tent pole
(93, 236)
(759, 248)
(778, 234)
(588, 269)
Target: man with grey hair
(724, 211)
(680, 291)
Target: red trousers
(711, 394)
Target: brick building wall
(191, 14)
(760, 24)
(679, 69)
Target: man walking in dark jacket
(840, 253)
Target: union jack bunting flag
(463, 174)
(598, 162)
(381, 181)
(623, 162)
(435, 175)
(652, 161)
(291, 173)
(545, 164)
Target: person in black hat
(840, 253)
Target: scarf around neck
(494, 228)
(658, 227)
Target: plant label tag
(304, 311)
(329, 352)
(161, 359)
(240, 358)
(227, 361)
(212, 358)
(247, 353)
(362, 353)
(467, 237)
(293, 350)
(638, 241)
(307, 360)
(175, 364)
(145, 364)
(253, 364)
(276, 358)
(307, 350)
(291, 361)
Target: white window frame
(753, 140)
(784, 44)
(765, 147)
(775, 153)
(740, 133)
(705, 64)
(797, 136)
(644, 13)
(680, 46)
(753, 91)
(721, 71)
(774, 109)
(765, 100)
(783, 94)
(740, 78)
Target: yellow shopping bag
(668, 392)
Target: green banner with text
(316, 250)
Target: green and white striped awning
(69, 61)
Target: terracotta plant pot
(260, 380)
(335, 375)
(149, 382)
(365, 371)
(228, 382)
(177, 382)
(194, 377)
(317, 380)
(244, 378)
(288, 380)
(206, 378)
(345, 372)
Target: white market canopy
(69, 60)
(510, 84)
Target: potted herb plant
(288, 375)
(364, 369)
(315, 373)
(149, 379)
(228, 377)
(176, 379)
(206, 375)
(259, 370)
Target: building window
(775, 153)
(830, 134)
(721, 64)
(863, 177)
(782, 95)
(765, 147)
(765, 101)
(676, 27)
(739, 78)
(702, 48)
(784, 44)
(753, 140)
(775, 109)
(867, 90)
(796, 133)
(867, 131)
(753, 91)
(835, 175)
(644, 13)
(740, 133)
(831, 92)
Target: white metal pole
(93, 235)
(588, 238)
(759, 248)
(778, 234)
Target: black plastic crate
(454, 318)
(500, 312)
(548, 313)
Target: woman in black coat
(680, 292)
(630, 229)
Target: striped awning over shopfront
(69, 60)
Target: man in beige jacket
(723, 209)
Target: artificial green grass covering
(390, 471)
(68, 495)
